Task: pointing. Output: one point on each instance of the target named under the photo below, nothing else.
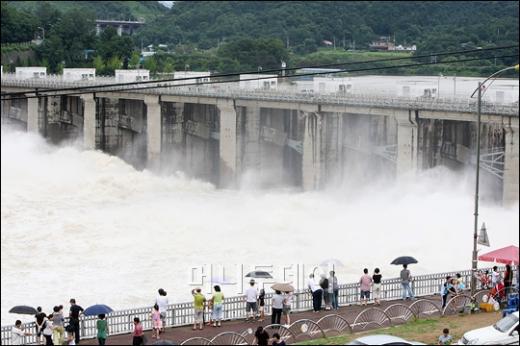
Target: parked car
(382, 339)
(504, 332)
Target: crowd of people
(51, 329)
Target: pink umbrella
(506, 255)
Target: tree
(16, 26)
(99, 64)
(134, 60)
(151, 64)
(113, 64)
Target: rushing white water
(86, 225)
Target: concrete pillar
(311, 160)
(511, 163)
(98, 29)
(252, 139)
(32, 114)
(407, 143)
(120, 30)
(89, 121)
(228, 142)
(153, 131)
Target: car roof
(380, 339)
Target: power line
(160, 86)
(99, 86)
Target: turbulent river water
(84, 224)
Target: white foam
(87, 225)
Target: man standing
(251, 298)
(365, 284)
(40, 319)
(406, 279)
(333, 281)
(75, 311)
(317, 293)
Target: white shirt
(48, 327)
(17, 336)
(251, 294)
(162, 301)
(494, 277)
(288, 299)
(313, 285)
(277, 301)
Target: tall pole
(474, 262)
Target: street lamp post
(475, 228)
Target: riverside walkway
(306, 324)
(181, 334)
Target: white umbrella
(334, 262)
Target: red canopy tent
(506, 255)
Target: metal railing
(458, 105)
(180, 314)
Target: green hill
(434, 25)
(133, 10)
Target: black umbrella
(404, 260)
(23, 310)
(258, 274)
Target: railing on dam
(121, 322)
(457, 105)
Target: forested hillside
(432, 25)
(229, 36)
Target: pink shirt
(366, 282)
(138, 329)
(156, 315)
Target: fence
(463, 105)
(121, 322)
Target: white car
(504, 332)
(382, 339)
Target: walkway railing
(457, 105)
(121, 322)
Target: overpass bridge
(219, 133)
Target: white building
(128, 76)
(31, 72)
(198, 77)
(332, 85)
(503, 90)
(74, 74)
(251, 81)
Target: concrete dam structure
(286, 138)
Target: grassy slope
(423, 330)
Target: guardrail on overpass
(456, 105)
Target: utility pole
(474, 258)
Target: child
(71, 340)
(102, 329)
(277, 341)
(445, 338)
(261, 303)
(138, 332)
(156, 321)
(47, 330)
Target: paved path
(179, 334)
